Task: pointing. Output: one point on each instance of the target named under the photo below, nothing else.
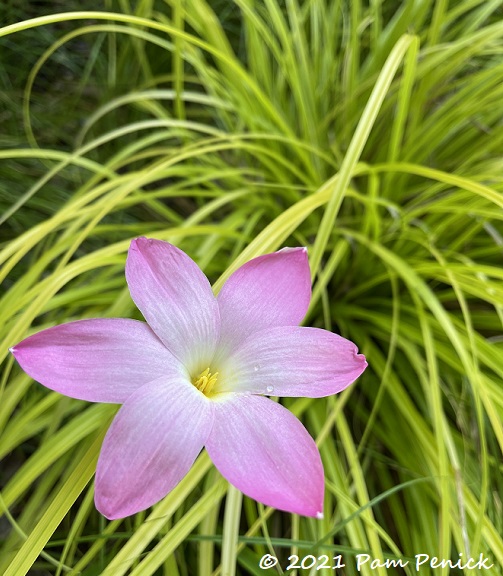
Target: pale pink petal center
(150, 446)
(176, 300)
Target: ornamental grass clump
(196, 375)
(369, 132)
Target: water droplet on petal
(256, 367)
(269, 389)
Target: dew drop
(269, 389)
(256, 367)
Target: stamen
(205, 381)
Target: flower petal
(293, 361)
(176, 300)
(271, 290)
(262, 449)
(150, 446)
(99, 360)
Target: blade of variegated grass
(31, 422)
(209, 525)
(230, 534)
(66, 439)
(85, 509)
(21, 534)
(183, 528)
(369, 538)
(444, 472)
(57, 509)
(356, 147)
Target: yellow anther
(205, 381)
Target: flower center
(205, 381)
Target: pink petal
(293, 361)
(176, 300)
(271, 290)
(262, 449)
(150, 446)
(99, 360)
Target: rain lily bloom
(197, 374)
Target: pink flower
(197, 374)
